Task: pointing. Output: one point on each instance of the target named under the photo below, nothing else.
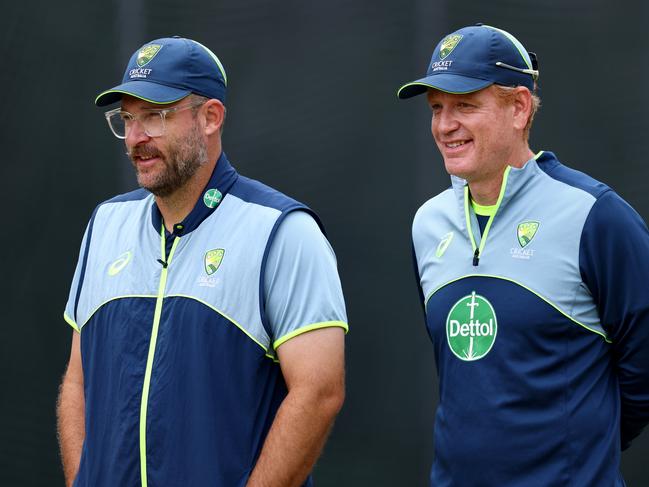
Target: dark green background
(312, 111)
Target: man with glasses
(207, 310)
(531, 277)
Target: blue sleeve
(302, 287)
(614, 264)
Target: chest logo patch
(471, 327)
(526, 231)
(119, 264)
(213, 260)
(443, 244)
(212, 198)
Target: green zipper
(152, 344)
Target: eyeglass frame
(162, 112)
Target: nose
(444, 122)
(135, 133)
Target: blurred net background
(312, 111)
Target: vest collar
(220, 183)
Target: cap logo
(147, 53)
(449, 43)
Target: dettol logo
(471, 327)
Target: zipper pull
(164, 263)
(476, 257)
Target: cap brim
(449, 83)
(144, 90)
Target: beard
(185, 155)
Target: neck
(485, 190)
(175, 207)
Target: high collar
(515, 179)
(222, 178)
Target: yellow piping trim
(71, 322)
(314, 326)
(439, 89)
(468, 218)
(603, 335)
(517, 44)
(503, 186)
(234, 322)
(151, 355)
(137, 96)
(113, 299)
(538, 154)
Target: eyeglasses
(153, 120)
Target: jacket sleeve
(614, 264)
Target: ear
(522, 107)
(214, 112)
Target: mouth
(457, 146)
(143, 158)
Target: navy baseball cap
(168, 69)
(473, 58)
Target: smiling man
(207, 310)
(529, 273)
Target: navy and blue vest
(181, 381)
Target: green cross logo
(471, 327)
(213, 260)
(526, 231)
(147, 53)
(448, 44)
(119, 264)
(212, 198)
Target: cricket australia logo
(213, 260)
(471, 327)
(448, 44)
(147, 53)
(526, 231)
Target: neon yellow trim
(483, 210)
(314, 326)
(71, 322)
(113, 299)
(467, 216)
(152, 344)
(137, 96)
(517, 44)
(603, 335)
(216, 60)
(483, 238)
(419, 83)
(503, 186)
(230, 319)
(538, 154)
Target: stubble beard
(185, 155)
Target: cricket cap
(473, 58)
(166, 70)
